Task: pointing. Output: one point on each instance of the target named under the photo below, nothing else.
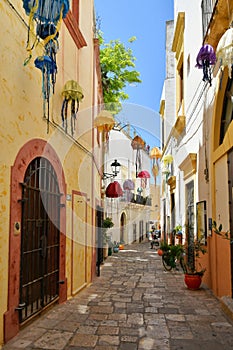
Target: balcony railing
(138, 199)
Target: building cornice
(178, 35)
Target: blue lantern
(48, 68)
(48, 15)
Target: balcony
(138, 199)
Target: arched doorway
(40, 232)
(122, 228)
(25, 184)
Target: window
(227, 111)
(181, 84)
(207, 10)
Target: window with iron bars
(207, 10)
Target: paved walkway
(134, 304)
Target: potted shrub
(192, 269)
(164, 246)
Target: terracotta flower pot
(160, 252)
(121, 246)
(192, 281)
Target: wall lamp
(115, 170)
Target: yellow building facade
(50, 179)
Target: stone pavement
(134, 304)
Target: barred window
(207, 10)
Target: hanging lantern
(167, 159)
(144, 175)
(205, 59)
(104, 122)
(72, 92)
(224, 51)
(128, 186)
(155, 153)
(114, 190)
(48, 15)
(48, 68)
(138, 144)
(155, 171)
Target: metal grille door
(39, 239)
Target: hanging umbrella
(104, 122)
(138, 144)
(72, 92)
(205, 59)
(144, 174)
(128, 185)
(114, 190)
(224, 51)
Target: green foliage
(218, 231)
(196, 248)
(108, 223)
(117, 68)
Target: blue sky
(147, 21)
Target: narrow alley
(134, 304)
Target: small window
(181, 84)
(227, 111)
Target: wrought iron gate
(39, 274)
(99, 236)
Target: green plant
(218, 231)
(164, 246)
(117, 68)
(178, 228)
(193, 250)
(108, 223)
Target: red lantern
(114, 190)
(144, 175)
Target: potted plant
(107, 223)
(192, 269)
(164, 246)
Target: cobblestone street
(134, 304)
